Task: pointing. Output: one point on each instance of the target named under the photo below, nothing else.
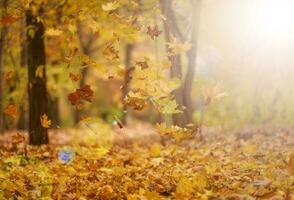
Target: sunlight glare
(273, 18)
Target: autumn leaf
(74, 77)
(9, 19)
(53, 32)
(111, 53)
(84, 93)
(176, 48)
(39, 71)
(45, 122)
(111, 6)
(153, 32)
(167, 106)
(71, 54)
(8, 75)
(11, 111)
(135, 100)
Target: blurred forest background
(234, 69)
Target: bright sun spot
(274, 18)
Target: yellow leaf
(155, 150)
(110, 6)
(53, 32)
(39, 71)
(45, 122)
(178, 48)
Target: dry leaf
(74, 77)
(8, 75)
(153, 32)
(11, 111)
(84, 93)
(45, 122)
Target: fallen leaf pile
(224, 166)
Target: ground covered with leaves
(248, 164)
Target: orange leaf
(84, 93)
(11, 111)
(45, 122)
(8, 20)
(8, 75)
(74, 77)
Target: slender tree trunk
(176, 68)
(192, 55)
(37, 86)
(126, 88)
(2, 46)
(86, 48)
(22, 123)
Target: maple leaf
(135, 100)
(45, 122)
(111, 53)
(153, 32)
(84, 93)
(9, 19)
(74, 77)
(167, 106)
(110, 6)
(11, 111)
(53, 32)
(176, 48)
(8, 75)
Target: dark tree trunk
(126, 87)
(37, 86)
(2, 46)
(176, 68)
(192, 55)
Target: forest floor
(255, 163)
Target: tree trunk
(22, 123)
(86, 48)
(37, 85)
(2, 46)
(176, 69)
(192, 55)
(126, 88)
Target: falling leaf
(167, 106)
(84, 93)
(53, 32)
(135, 100)
(39, 71)
(71, 54)
(153, 32)
(9, 20)
(111, 53)
(8, 75)
(11, 111)
(110, 6)
(176, 48)
(45, 122)
(74, 77)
